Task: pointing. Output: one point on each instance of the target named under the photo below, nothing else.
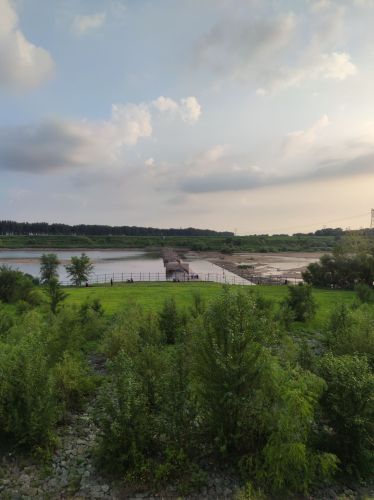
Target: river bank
(248, 265)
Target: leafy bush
(352, 332)
(55, 293)
(250, 406)
(198, 304)
(125, 422)
(364, 293)
(227, 249)
(300, 300)
(170, 321)
(73, 382)
(28, 406)
(6, 321)
(224, 357)
(14, 285)
(348, 412)
(289, 461)
(129, 331)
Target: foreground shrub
(145, 417)
(73, 382)
(364, 293)
(301, 302)
(352, 332)
(124, 419)
(253, 410)
(348, 410)
(129, 331)
(6, 321)
(15, 285)
(170, 321)
(28, 406)
(225, 362)
(289, 461)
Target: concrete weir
(174, 267)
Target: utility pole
(372, 218)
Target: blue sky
(247, 115)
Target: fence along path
(102, 279)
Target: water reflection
(121, 263)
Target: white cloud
(61, 144)
(215, 153)
(53, 145)
(150, 162)
(165, 104)
(335, 66)
(188, 108)
(279, 51)
(23, 65)
(299, 142)
(83, 24)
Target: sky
(252, 116)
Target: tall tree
(48, 267)
(55, 293)
(79, 269)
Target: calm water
(109, 262)
(104, 261)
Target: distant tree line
(8, 227)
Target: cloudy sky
(255, 116)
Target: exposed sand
(283, 264)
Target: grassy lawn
(152, 295)
(148, 295)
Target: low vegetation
(226, 244)
(245, 379)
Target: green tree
(227, 359)
(300, 300)
(348, 411)
(55, 293)
(79, 269)
(169, 320)
(48, 267)
(14, 285)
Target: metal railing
(112, 278)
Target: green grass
(148, 295)
(152, 296)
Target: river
(119, 265)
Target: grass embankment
(152, 296)
(252, 243)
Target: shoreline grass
(152, 296)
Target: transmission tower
(372, 218)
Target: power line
(328, 221)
